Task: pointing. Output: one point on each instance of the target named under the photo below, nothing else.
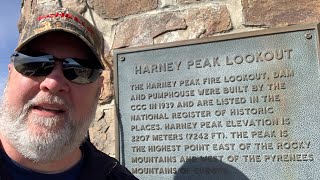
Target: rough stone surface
(108, 86)
(102, 132)
(280, 13)
(106, 27)
(188, 1)
(204, 22)
(141, 31)
(172, 26)
(77, 5)
(167, 3)
(121, 8)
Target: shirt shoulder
(98, 165)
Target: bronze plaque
(243, 106)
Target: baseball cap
(48, 19)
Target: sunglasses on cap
(75, 70)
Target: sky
(9, 16)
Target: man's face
(49, 116)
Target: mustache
(49, 99)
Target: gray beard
(50, 145)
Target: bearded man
(50, 100)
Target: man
(50, 100)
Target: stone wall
(128, 23)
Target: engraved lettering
(209, 91)
(163, 148)
(196, 147)
(191, 114)
(157, 170)
(188, 125)
(143, 117)
(285, 73)
(251, 111)
(171, 94)
(154, 159)
(157, 68)
(245, 77)
(268, 55)
(276, 86)
(167, 137)
(204, 63)
(211, 124)
(225, 147)
(147, 127)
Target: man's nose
(55, 82)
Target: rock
(280, 13)
(119, 8)
(172, 26)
